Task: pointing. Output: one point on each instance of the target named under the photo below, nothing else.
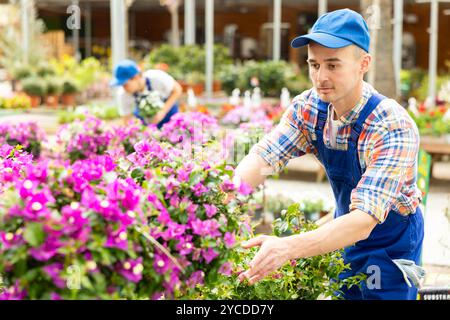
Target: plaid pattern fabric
(387, 149)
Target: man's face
(134, 85)
(336, 73)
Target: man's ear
(365, 62)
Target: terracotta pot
(68, 99)
(198, 88)
(52, 100)
(183, 85)
(217, 86)
(35, 101)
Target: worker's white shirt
(160, 81)
(334, 126)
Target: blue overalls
(398, 237)
(169, 114)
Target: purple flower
(47, 250)
(184, 173)
(227, 186)
(13, 293)
(199, 189)
(10, 240)
(55, 296)
(117, 238)
(174, 282)
(131, 269)
(209, 254)
(245, 189)
(53, 271)
(174, 230)
(205, 228)
(210, 209)
(197, 277)
(226, 269)
(161, 263)
(229, 239)
(185, 245)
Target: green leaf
(34, 234)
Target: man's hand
(274, 252)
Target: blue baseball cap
(124, 71)
(337, 29)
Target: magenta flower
(229, 239)
(117, 238)
(131, 269)
(161, 263)
(226, 269)
(184, 173)
(209, 254)
(205, 228)
(228, 186)
(53, 271)
(54, 296)
(174, 282)
(211, 210)
(9, 240)
(47, 250)
(197, 277)
(174, 230)
(199, 189)
(13, 293)
(245, 189)
(185, 245)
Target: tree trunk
(378, 14)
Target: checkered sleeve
(391, 151)
(285, 141)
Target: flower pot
(198, 88)
(217, 86)
(183, 85)
(52, 100)
(35, 101)
(68, 99)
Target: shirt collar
(351, 116)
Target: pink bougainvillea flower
(132, 269)
(53, 271)
(210, 209)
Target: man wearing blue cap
(368, 146)
(133, 84)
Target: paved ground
(301, 182)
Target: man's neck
(346, 104)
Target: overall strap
(322, 114)
(148, 84)
(371, 104)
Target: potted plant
(53, 90)
(196, 80)
(69, 91)
(34, 88)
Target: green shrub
(70, 86)
(33, 86)
(53, 86)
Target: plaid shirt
(387, 149)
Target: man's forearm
(253, 170)
(126, 119)
(176, 93)
(337, 234)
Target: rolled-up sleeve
(285, 141)
(392, 152)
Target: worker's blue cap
(337, 29)
(124, 71)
